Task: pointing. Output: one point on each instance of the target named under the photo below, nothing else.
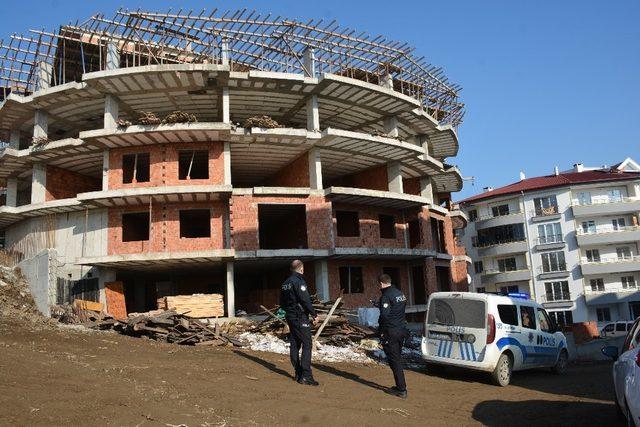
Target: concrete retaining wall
(40, 272)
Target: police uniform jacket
(392, 309)
(294, 297)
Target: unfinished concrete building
(348, 172)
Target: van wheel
(562, 363)
(502, 373)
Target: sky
(545, 83)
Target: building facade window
(546, 205)
(623, 252)
(550, 233)
(618, 224)
(387, 225)
(481, 290)
(553, 261)
(597, 285)
(562, 318)
(351, 280)
(509, 289)
(478, 267)
(614, 196)
(347, 224)
(584, 198)
(500, 234)
(136, 168)
(628, 282)
(473, 215)
(557, 291)
(593, 255)
(500, 210)
(507, 264)
(588, 227)
(603, 314)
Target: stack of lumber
(196, 305)
(338, 330)
(165, 325)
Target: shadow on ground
(539, 412)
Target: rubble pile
(148, 118)
(16, 301)
(261, 122)
(180, 117)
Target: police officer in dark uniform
(393, 331)
(296, 302)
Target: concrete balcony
(495, 276)
(495, 221)
(553, 242)
(545, 214)
(506, 248)
(616, 265)
(611, 296)
(561, 273)
(556, 301)
(607, 236)
(624, 205)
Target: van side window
(508, 314)
(527, 317)
(621, 327)
(609, 327)
(633, 338)
(545, 324)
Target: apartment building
(569, 239)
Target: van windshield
(467, 313)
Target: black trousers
(300, 338)
(392, 342)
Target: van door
(621, 329)
(456, 328)
(546, 342)
(528, 335)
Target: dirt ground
(54, 376)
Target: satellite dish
(469, 280)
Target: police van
(494, 333)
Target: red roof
(551, 181)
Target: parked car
(493, 333)
(616, 329)
(626, 374)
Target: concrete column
(231, 295)
(226, 156)
(113, 56)
(14, 139)
(226, 115)
(45, 73)
(313, 113)
(426, 188)
(315, 169)
(110, 111)
(41, 124)
(322, 280)
(224, 51)
(426, 144)
(394, 177)
(391, 126)
(105, 170)
(38, 183)
(309, 63)
(12, 192)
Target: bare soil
(53, 375)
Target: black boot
(309, 381)
(394, 391)
(298, 375)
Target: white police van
(492, 333)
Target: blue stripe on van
(472, 351)
(440, 348)
(463, 354)
(450, 349)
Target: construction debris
(39, 141)
(337, 331)
(165, 325)
(261, 122)
(195, 306)
(148, 118)
(123, 123)
(180, 117)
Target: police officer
(393, 331)
(296, 302)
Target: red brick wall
(244, 220)
(369, 228)
(295, 174)
(163, 169)
(64, 184)
(165, 229)
(411, 186)
(371, 269)
(374, 178)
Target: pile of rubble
(261, 122)
(16, 301)
(180, 117)
(337, 330)
(148, 118)
(167, 326)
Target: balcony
(611, 295)
(556, 300)
(608, 206)
(503, 247)
(489, 277)
(545, 214)
(606, 235)
(495, 221)
(559, 273)
(546, 243)
(607, 266)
